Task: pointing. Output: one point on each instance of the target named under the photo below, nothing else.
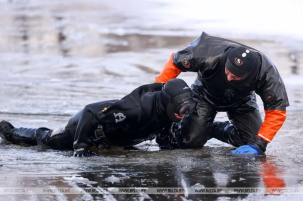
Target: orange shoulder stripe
(169, 71)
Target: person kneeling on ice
(146, 112)
(230, 75)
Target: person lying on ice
(139, 116)
(229, 75)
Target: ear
(226, 72)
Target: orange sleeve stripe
(169, 71)
(273, 121)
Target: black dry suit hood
(178, 99)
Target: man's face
(184, 108)
(231, 76)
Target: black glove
(166, 139)
(83, 152)
(163, 141)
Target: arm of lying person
(82, 148)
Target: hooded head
(178, 99)
(242, 62)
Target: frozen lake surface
(56, 57)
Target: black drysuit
(137, 117)
(207, 56)
(129, 121)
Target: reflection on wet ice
(57, 57)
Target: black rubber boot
(6, 129)
(18, 135)
(226, 132)
(24, 136)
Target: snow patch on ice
(112, 179)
